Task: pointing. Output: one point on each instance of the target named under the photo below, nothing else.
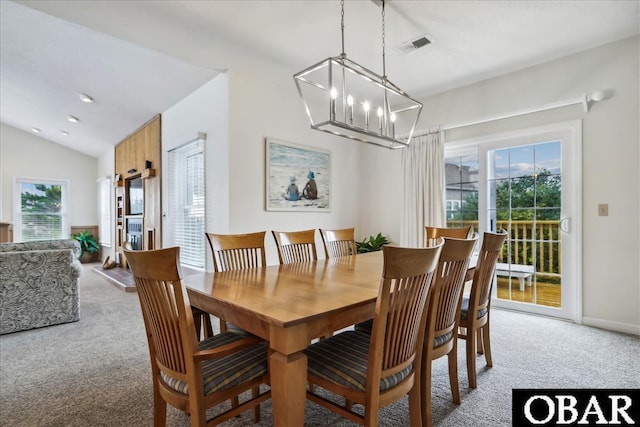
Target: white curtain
(424, 187)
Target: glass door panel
(528, 183)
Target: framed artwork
(298, 177)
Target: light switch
(603, 209)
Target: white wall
(611, 140)
(238, 111)
(258, 109)
(106, 167)
(25, 155)
(204, 110)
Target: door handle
(565, 224)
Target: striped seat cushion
(438, 341)
(465, 309)
(343, 358)
(366, 326)
(227, 371)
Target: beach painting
(298, 177)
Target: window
(186, 202)
(40, 210)
(461, 183)
(104, 210)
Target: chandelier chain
(342, 24)
(384, 72)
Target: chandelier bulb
(349, 100)
(334, 93)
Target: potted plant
(89, 248)
(371, 244)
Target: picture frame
(298, 178)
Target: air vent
(422, 41)
(414, 44)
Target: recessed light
(35, 130)
(86, 98)
(64, 132)
(73, 119)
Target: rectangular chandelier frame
(346, 99)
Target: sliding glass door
(527, 183)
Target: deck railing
(536, 243)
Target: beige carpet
(95, 372)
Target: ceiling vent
(415, 44)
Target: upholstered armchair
(38, 284)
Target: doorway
(527, 182)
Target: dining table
(288, 306)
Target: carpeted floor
(96, 372)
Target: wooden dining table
(288, 306)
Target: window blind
(40, 210)
(187, 201)
(104, 210)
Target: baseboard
(626, 328)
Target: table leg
(288, 388)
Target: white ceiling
(137, 58)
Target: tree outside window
(41, 210)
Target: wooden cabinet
(139, 156)
(6, 232)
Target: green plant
(87, 242)
(371, 243)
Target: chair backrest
(165, 309)
(296, 246)
(483, 275)
(432, 233)
(237, 251)
(446, 292)
(396, 335)
(338, 243)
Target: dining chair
(236, 252)
(192, 376)
(296, 246)
(380, 368)
(338, 243)
(443, 314)
(431, 233)
(474, 313)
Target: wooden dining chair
(380, 368)
(190, 375)
(443, 314)
(432, 233)
(296, 246)
(338, 243)
(474, 313)
(237, 251)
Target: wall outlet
(603, 209)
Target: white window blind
(40, 210)
(105, 210)
(186, 201)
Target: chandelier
(346, 99)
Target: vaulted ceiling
(138, 58)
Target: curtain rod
(585, 100)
